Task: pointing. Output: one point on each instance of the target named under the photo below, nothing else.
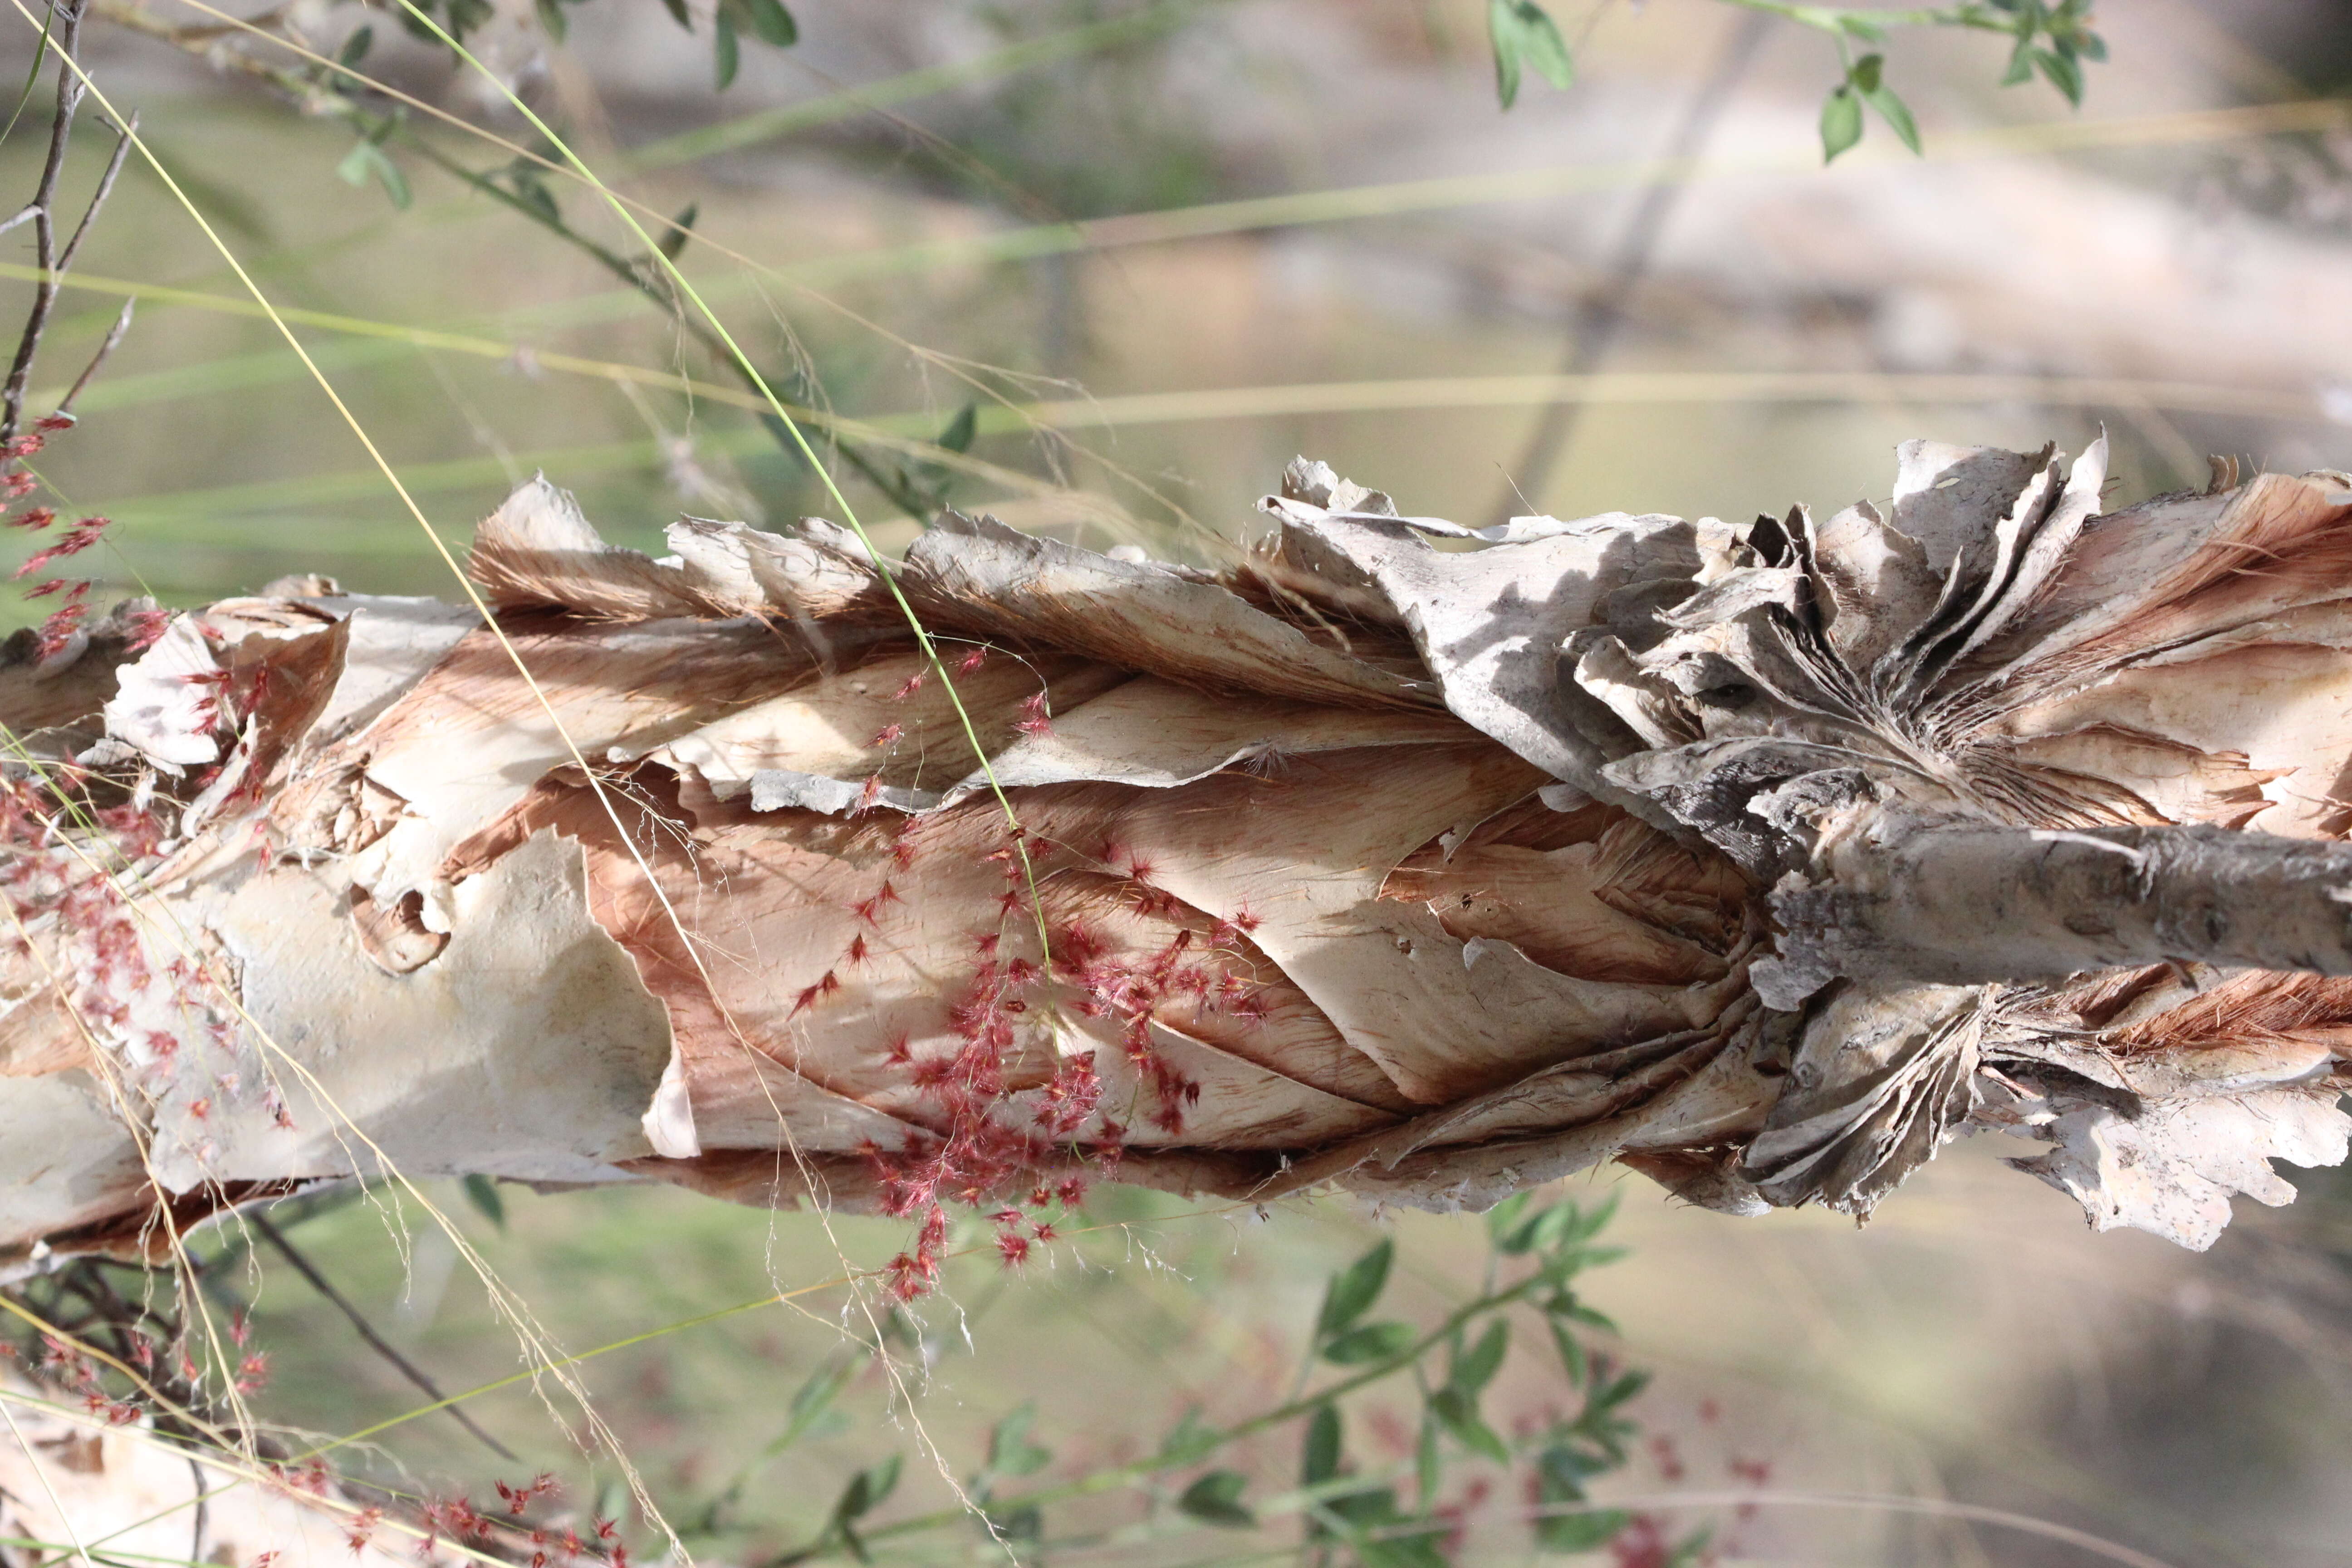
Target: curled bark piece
(1765, 858)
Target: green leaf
(2091, 46)
(1421, 1547)
(1010, 1452)
(1572, 1354)
(1428, 1464)
(1458, 1412)
(529, 187)
(2063, 74)
(1588, 1225)
(1892, 110)
(1572, 1310)
(1865, 74)
(681, 229)
(866, 1491)
(1366, 1510)
(773, 23)
(1855, 27)
(726, 54)
(1581, 1531)
(813, 1405)
(356, 47)
(1505, 1214)
(1471, 1372)
(1563, 1225)
(680, 14)
(1841, 123)
(32, 77)
(957, 436)
(1026, 1521)
(1693, 1548)
(1373, 1341)
(1353, 1290)
(1216, 1498)
(1561, 1471)
(1617, 1392)
(483, 1193)
(465, 15)
(365, 160)
(1524, 36)
(1541, 1229)
(552, 20)
(1319, 1453)
(1192, 1438)
(2021, 60)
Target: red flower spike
(888, 735)
(914, 684)
(146, 626)
(971, 661)
(35, 517)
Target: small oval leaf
(1373, 1341)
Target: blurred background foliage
(1156, 249)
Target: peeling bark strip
(1973, 904)
(1763, 859)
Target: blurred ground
(2178, 256)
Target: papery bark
(1762, 858)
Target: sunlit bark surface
(1764, 858)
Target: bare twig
(376, 1342)
(98, 199)
(203, 1510)
(113, 336)
(1601, 312)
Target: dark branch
(376, 1342)
(113, 336)
(98, 199)
(66, 15)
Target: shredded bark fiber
(1765, 859)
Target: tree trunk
(1762, 858)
